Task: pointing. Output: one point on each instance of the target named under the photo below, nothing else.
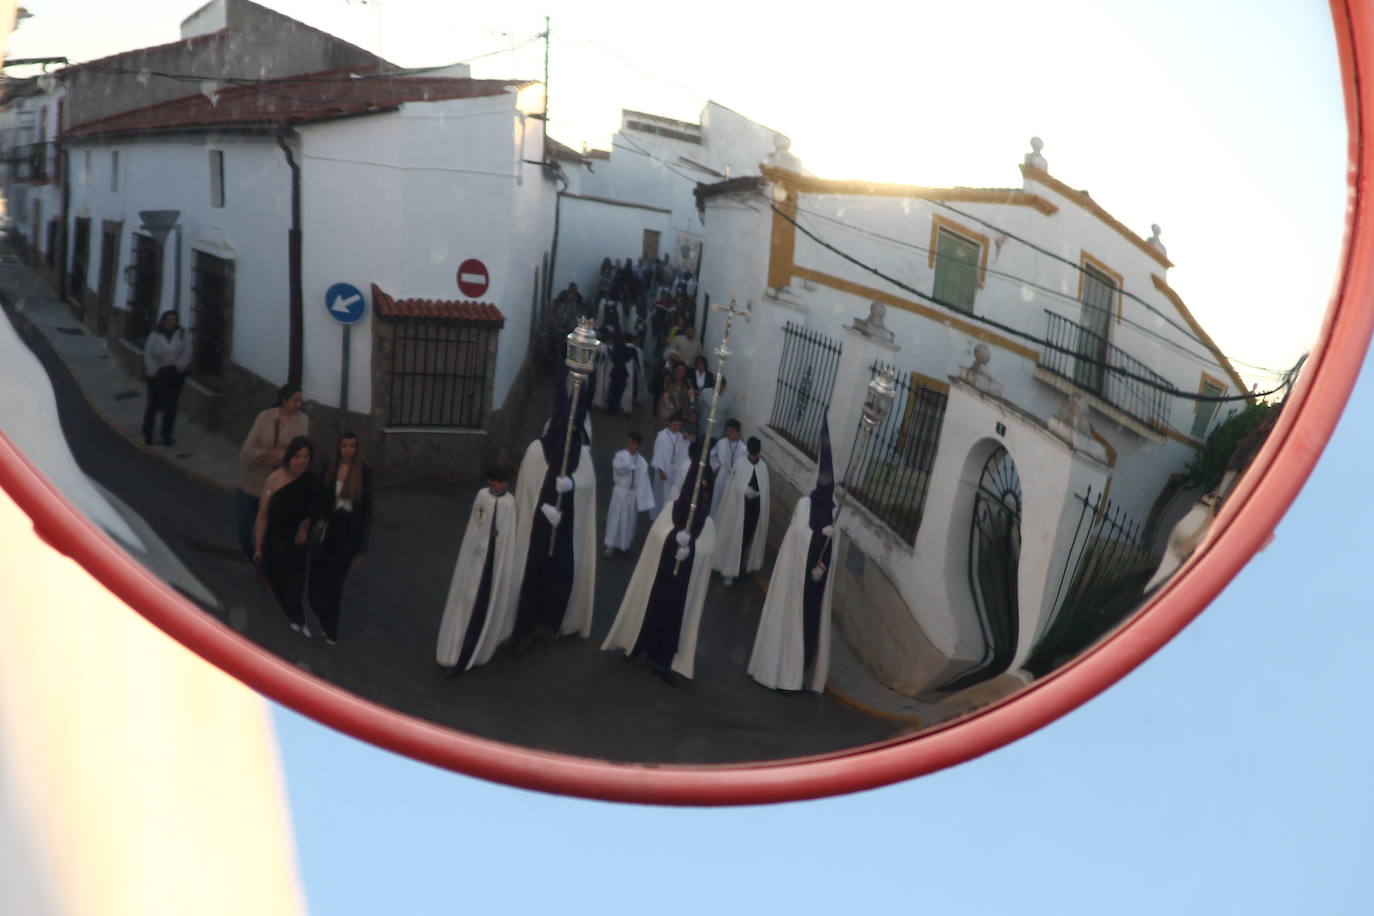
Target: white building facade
(1039, 353)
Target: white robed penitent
(578, 616)
(630, 617)
(724, 456)
(730, 520)
(487, 509)
(631, 494)
(669, 449)
(779, 656)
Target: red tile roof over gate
(293, 100)
(444, 309)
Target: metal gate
(994, 554)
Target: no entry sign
(472, 278)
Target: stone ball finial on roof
(1154, 239)
(782, 157)
(1033, 158)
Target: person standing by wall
(346, 507)
(263, 450)
(166, 359)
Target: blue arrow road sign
(345, 303)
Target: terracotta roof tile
(292, 100)
(464, 310)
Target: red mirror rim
(1242, 526)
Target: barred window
(439, 373)
(212, 288)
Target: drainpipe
(64, 163)
(296, 309)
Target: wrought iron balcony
(32, 161)
(1087, 359)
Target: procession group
(526, 569)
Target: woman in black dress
(346, 507)
(290, 499)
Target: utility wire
(1015, 332)
(1058, 294)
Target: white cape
(778, 659)
(632, 494)
(578, 617)
(630, 618)
(467, 574)
(724, 456)
(730, 521)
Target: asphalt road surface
(570, 697)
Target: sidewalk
(116, 397)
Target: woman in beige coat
(263, 450)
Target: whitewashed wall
(250, 229)
(402, 199)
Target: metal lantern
(582, 348)
(878, 404)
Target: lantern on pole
(581, 349)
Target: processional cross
(722, 357)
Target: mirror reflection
(551, 397)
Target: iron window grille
(806, 381)
(440, 373)
(212, 290)
(144, 271)
(893, 474)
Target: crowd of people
(526, 568)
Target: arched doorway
(993, 556)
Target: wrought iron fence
(806, 380)
(893, 474)
(1104, 575)
(33, 162)
(439, 374)
(1080, 357)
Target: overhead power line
(1023, 335)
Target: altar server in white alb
(632, 494)
(480, 594)
(670, 447)
(792, 644)
(556, 582)
(661, 612)
(725, 454)
(742, 517)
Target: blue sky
(1229, 774)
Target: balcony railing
(1085, 358)
(32, 162)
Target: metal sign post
(346, 305)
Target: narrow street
(571, 697)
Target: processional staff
(582, 348)
(722, 357)
(877, 405)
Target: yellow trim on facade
(1087, 203)
(1086, 260)
(809, 184)
(928, 382)
(916, 308)
(1206, 338)
(938, 222)
(782, 242)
